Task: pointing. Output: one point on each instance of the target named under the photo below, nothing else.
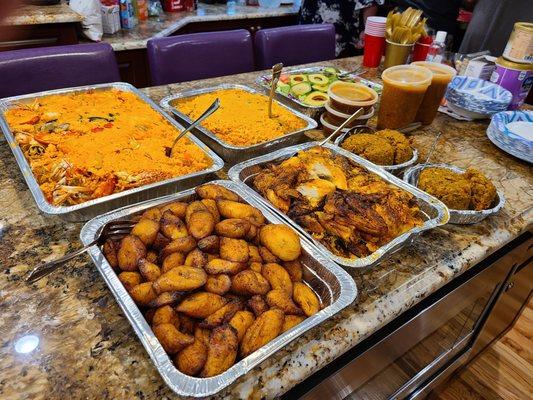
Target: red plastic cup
(374, 49)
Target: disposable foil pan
(334, 286)
(460, 217)
(264, 81)
(393, 169)
(92, 208)
(433, 211)
(234, 154)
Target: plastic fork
(112, 230)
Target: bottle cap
(441, 36)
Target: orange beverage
(404, 87)
(442, 75)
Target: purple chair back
(46, 68)
(200, 55)
(292, 45)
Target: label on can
(516, 81)
(519, 48)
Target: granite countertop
(130, 39)
(66, 337)
(34, 15)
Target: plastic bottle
(142, 9)
(436, 50)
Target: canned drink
(515, 77)
(519, 48)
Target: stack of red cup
(374, 41)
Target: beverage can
(519, 48)
(515, 77)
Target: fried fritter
(451, 188)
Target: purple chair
(292, 45)
(46, 68)
(200, 55)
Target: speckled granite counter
(34, 15)
(87, 349)
(170, 22)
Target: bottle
(436, 50)
(142, 9)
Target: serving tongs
(276, 73)
(112, 230)
(212, 108)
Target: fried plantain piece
(170, 338)
(166, 299)
(306, 298)
(166, 315)
(220, 266)
(201, 304)
(215, 192)
(232, 209)
(267, 256)
(218, 284)
(249, 283)
(222, 315)
(196, 259)
(279, 298)
(130, 279)
(291, 321)
(295, 270)
(146, 230)
(143, 293)
(209, 244)
(277, 276)
(110, 252)
(172, 226)
(236, 250)
(131, 250)
(221, 351)
(265, 328)
(281, 240)
(235, 228)
(148, 270)
(182, 278)
(257, 304)
(201, 224)
(192, 358)
(181, 245)
(177, 208)
(241, 321)
(211, 205)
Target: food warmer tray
(333, 285)
(264, 82)
(459, 217)
(434, 212)
(234, 154)
(92, 208)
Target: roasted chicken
(348, 209)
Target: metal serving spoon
(276, 73)
(212, 108)
(430, 153)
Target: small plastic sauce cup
(348, 97)
(442, 76)
(404, 87)
(337, 118)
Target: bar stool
(292, 45)
(199, 55)
(46, 68)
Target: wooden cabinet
(41, 35)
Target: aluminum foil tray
(333, 285)
(234, 154)
(433, 211)
(92, 208)
(460, 217)
(393, 169)
(264, 82)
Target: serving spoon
(430, 153)
(276, 73)
(212, 108)
(343, 125)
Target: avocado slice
(301, 88)
(318, 79)
(331, 70)
(297, 78)
(321, 88)
(283, 88)
(316, 99)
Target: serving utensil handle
(212, 108)
(42, 270)
(276, 73)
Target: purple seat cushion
(292, 45)
(200, 55)
(46, 68)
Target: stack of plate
(476, 98)
(512, 131)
